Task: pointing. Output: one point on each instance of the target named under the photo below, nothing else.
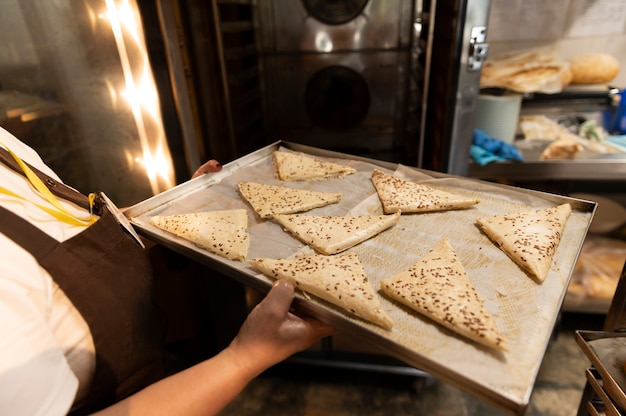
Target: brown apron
(107, 276)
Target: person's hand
(209, 167)
(271, 333)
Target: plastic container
(498, 115)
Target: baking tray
(607, 353)
(524, 310)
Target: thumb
(280, 296)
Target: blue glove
(496, 146)
(482, 156)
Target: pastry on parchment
(222, 232)
(438, 287)
(269, 200)
(531, 238)
(397, 194)
(300, 167)
(329, 234)
(339, 280)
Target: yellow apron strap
(61, 212)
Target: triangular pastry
(268, 200)
(299, 167)
(397, 194)
(339, 280)
(438, 287)
(530, 239)
(219, 232)
(333, 234)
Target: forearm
(203, 389)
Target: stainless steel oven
(396, 80)
(336, 73)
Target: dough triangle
(438, 287)
(397, 194)
(268, 200)
(299, 167)
(333, 234)
(219, 232)
(339, 280)
(530, 239)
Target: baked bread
(561, 149)
(594, 68)
(438, 287)
(539, 70)
(564, 144)
(339, 280)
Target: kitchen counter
(296, 389)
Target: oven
(336, 73)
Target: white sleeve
(35, 377)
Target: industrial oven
(396, 80)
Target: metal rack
(240, 72)
(603, 393)
(571, 101)
(608, 168)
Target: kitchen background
(572, 27)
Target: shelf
(605, 168)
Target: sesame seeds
(339, 280)
(221, 232)
(438, 287)
(397, 194)
(269, 200)
(530, 239)
(333, 234)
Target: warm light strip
(141, 96)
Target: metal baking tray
(524, 310)
(607, 353)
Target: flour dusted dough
(438, 287)
(339, 280)
(530, 239)
(219, 232)
(269, 200)
(299, 167)
(397, 194)
(333, 234)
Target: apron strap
(57, 188)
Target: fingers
(280, 296)
(209, 167)
(320, 329)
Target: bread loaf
(540, 70)
(593, 68)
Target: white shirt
(46, 350)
